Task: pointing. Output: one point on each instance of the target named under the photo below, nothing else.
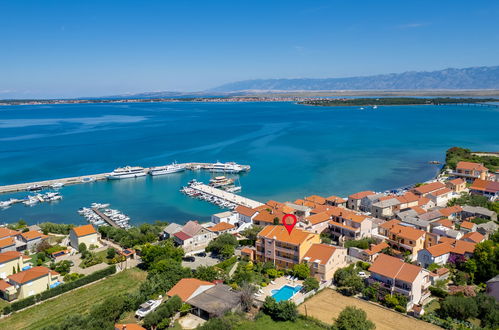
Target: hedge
(227, 263)
(437, 292)
(65, 287)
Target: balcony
(292, 252)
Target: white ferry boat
(127, 172)
(229, 167)
(168, 169)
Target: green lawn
(265, 322)
(79, 301)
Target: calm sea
(293, 150)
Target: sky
(56, 49)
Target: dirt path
(328, 304)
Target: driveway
(201, 261)
(190, 321)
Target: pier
(105, 218)
(225, 195)
(94, 177)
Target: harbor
(217, 196)
(139, 171)
(101, 215)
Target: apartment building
(28, 283)
(396, 276)
(284, 249)
(324, 260)
(349, 225)
(403, 238)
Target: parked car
(147, 307)
(201, 254)
(190, 259)
(363, 274)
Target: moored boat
(127, 172)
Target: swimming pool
(285, 292)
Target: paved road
(201, 261)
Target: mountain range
(486, 77)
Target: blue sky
(92, 48)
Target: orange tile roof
(316, 199)
(467, 225)
(336, 199)
(389, 224)
(423, 201)
(318, 218)
(456, 182)
(247, 250)
(450, 210)
(4, 285)
(32, 234)
(361, 194)
(454, 246)
(484, 185)
(9, 255)
(346, 214)
(297, 236)
(418, 209)
(407, 232)
(274, 204)
(427, 188)
(31, 274)
(470, 166)
(440, 192)
(408, 197)
(322, 252)
(287, 209)
(376, 248)
(299, 202)
(474, 236)
(310, 204)
(186, 287)
(446, 223)
(221, 226)
(6, 232)
(395, 268)
(128, 326)
(264, 216)
(245, 211)
(8, 241)
(84, 230)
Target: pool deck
(279, 282)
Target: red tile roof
(221, 226)
(8, 241)
(376, 248)
(31, 274)
(322, 252)
(33, 234)
(4, 285)
(84, 230)
(484, 185)
(6, 232)
(395, 268)
(467, 225)
(245, 211)
(182, 236)
(473, 236)
(9, 255)
(186, 287)
(318, 218)
(470, 166)
(280, 233)
(361, 194)
(316, 199)
(427, 188)
(440, 192)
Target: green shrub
(310, 284)
(438, 292)
(400, 309)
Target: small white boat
(57, 185)
(34, 187)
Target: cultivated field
(78, 301)
(328, 304)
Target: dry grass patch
(328, 304)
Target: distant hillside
(468, 78)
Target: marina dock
(225, 195)
(93, 177)
(105, 218)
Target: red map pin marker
(289, 226)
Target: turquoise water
(294, 150)
(285, 292)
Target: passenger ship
(230, 167)
(127, 172)
(160, 170)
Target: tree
(488, 311)
(348, 281)
(82, 248)
(302, 271)
(353, 318)
(310, 284)
(433, 267)
(111, 253)
(280, 311)
(458, 307)
(206, 273)
(247, 290)
(251, 233)
(155, 253)
(486, 258)
(223, 245)
(272, 273)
